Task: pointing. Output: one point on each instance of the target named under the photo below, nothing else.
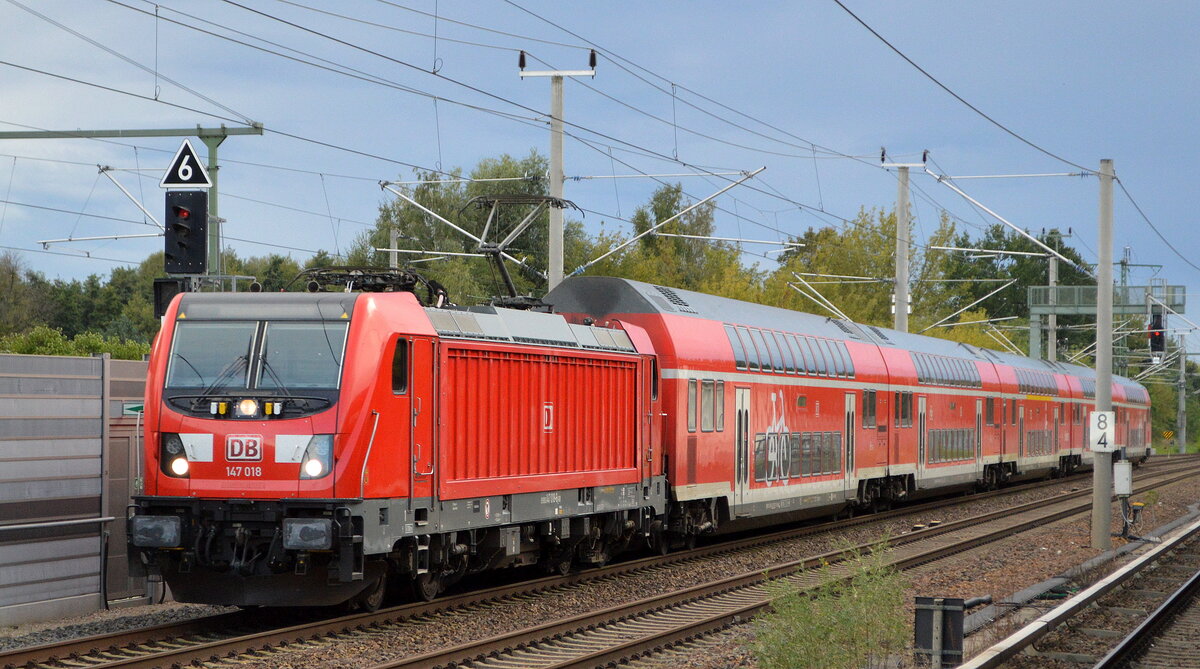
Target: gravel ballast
(998, 569)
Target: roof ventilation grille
(675, 299)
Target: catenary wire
(958, 97)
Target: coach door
(979, 437)
(921, 437)
(741, 444)
(422, 436)
(1056, 418)
(848, 460)
(1021, 431)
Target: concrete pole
(1102, 477)
(1052, 318)
(554, 272)
(1181, 415)
(214, 220)
(901, 290)
(393, 241)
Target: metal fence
(68, 448)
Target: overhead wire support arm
(47, 242)
(1005, 342)
(816, 296)
(656, 176)
(1022, 176)
(745, 177)
(105, 169)
(991, 251)
(944, 180)
(739, 240)
(970, 305)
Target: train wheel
(426, 587)
(372, 598)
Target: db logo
(243, 447)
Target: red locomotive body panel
(517, 420)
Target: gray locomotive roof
(601, 296)
(267, 306)
(526, 327)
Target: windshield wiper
(275, 377)
(232, 368)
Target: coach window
(748, 345)
(906, 414)
(819, 357)
(794, 447)
(868, 408)
(795, 349)
(848, 359)
(810, 358)
(839, 352)
(776, 354)
(896, 408)
(788, 361)
(764, 353)
(739, 353)
(991, 411)
(400, 367)
(691, 402)
(832, 365)
(1013, 412)
(653, 378)
(706, 406)
(720, 408)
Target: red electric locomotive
(308, 449)
(303, 449)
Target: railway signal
(186, 235)
(1158, 340)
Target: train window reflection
(211, 354)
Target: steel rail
(215, 625)
(520, 646)
(1008, 648)
(1133, 644)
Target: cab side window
(400, 367)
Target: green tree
(42, 340)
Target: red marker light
(183, 212)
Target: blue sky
(1084, 80)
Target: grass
(856, 619)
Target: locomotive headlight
(247, 407)
(172, 456)
(318, 457)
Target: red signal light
(183, 212)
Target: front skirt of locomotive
(251, 552)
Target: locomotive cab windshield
(282, 363)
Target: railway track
(1093, 627)
(1168, 637)
(631, 630)
(238, 632)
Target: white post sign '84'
(1102, 437)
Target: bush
(855, 618)
(43, 340)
